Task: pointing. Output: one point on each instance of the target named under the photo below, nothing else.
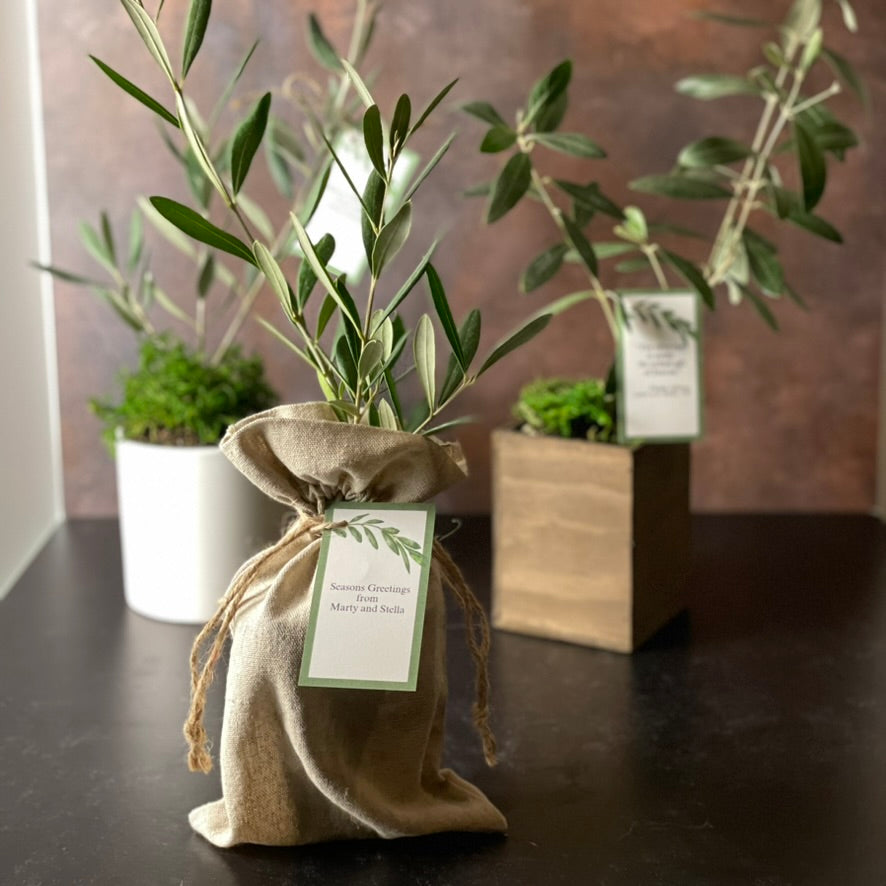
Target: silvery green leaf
(370, 358)
(843, 68)
(485, 112)
(680, 187)
(147, 30)
(359, 85)
(197, 146)
(195, 30)
(432, 105)
(274, 275)
(424, 353)
(711, 86)
(429, 167)
(391, 238)
(849, 18)
(165, 228)
(803, 18)
(543, 267)
(96, 247)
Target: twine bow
(217, 628)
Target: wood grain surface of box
(591, 541)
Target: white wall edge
(28, 557)
(44, 256)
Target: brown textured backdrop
(791, 419)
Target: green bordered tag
(368, 603)
(339, 209)
(659, 380)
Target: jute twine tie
(217, 628)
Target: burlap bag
(307, 764)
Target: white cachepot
(188, 520)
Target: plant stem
(557, 215)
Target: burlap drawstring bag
(308, 764)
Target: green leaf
(423, 350)
(849, 18)
(369, 536)
(692, 275)
(108, 238)
(510, 186)
(445, 426)
(370, 358)
(222, 102)
(429, 167)
(344, 360)
(517, 339)
(136, 239)
(680, 187)
(67, 276)
(247, 140)
(257, 216)
(386, 416)
(803, 18)
(634, 228)
(408, 286)
(761, 307)
(206, 277)
(730, 19)
(846, 72)
(374, 200)
(268, 266)
(815, 224)
(485, 112)
(400, 123)
(543, 267)
(764, 263)
(469, 336)
(552, 114)
(198, 18)
(138, 94)
(612, 250)
(321, 47)
(564, 303)
(374, 138)
(711, 86)
(194, 225)
(813, 169)
(713, 151)
(147, 30)
(391, 238)
(359, 85)
(441, 305)
(547, 91)
(572, 143)
(327, 309)
(432, 105)
(167, 230)
(581, 244)
(498, 138)
(195, 142)
(591, 197)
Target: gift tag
(339, 210)
(659, 367)
(368, 604)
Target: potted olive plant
(187, 518)
(309, 763)
(601, 556)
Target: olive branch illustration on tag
(363, 526)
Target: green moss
(174, 397)
(564, 408)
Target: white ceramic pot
(188, 520)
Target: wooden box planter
(591, 541)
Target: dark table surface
(744, 745)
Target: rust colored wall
(791, 419)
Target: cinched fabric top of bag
(302, 456)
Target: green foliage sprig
(175, 397)
(562, 408)
(793, 124)
(357, 358)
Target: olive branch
(365, 526)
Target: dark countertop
(745, 745)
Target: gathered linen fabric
(306, 764)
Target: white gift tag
(368, 605)
(659, 367)
(339, 211)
